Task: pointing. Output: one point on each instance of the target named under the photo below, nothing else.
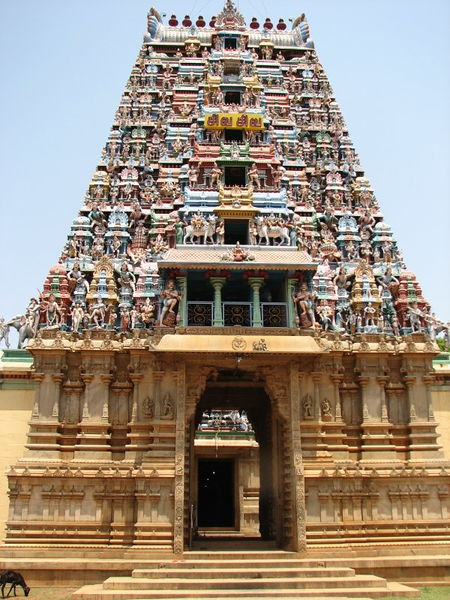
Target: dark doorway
(232, 97)
(235, 389)
(236, 230)
(215, 493)
(231, 43)
(234, 135)
(235, 176)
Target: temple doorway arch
(245, 472)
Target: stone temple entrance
(237, 483)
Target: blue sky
(64, 65)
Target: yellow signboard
(251, 122)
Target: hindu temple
(230, 345)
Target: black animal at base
(14, 579)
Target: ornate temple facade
(230, 342)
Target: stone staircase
(242, 575)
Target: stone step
(235, 572)
(220, 564)
(241, 583)
(237, 554)
(96, 592)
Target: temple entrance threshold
(238, 483)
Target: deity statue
(53, 313)
(126, 277)
(134, 317)
(277, 174)
(325, 409)
(170, 298)
(98, 313)
(216, 175)
(167, 410)
(148, 313)
(96, 216)
(253, 176)
(388, 283)
(32, 313)
(4, 332)
(304, 302)
(414, 315)
(326, 314)
(307, 406)
(77, 314)
(192, 176)
(370, 313)
(341, 282)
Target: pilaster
(332, 423)
(422, 430)
(93, 438)
(217, 283)
(376, 435)
(292, 317)
(182, 308)
(256, 283)
(298, 475)
(43, 436)
(314, 447)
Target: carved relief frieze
(97, 363)
(167, 408)
(49, 362)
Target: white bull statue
(200, 228)
(266, 232)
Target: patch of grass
(428, 593)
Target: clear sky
(64, 66)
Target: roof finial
(230, 17)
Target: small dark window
(231, 68)
(236, 231)
(234, 135)
(232, 97)
(235, 176)
(231, 43)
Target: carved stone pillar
(180, 464)
(292, 316)
(93, 436)
(313, 438)
(218, 283)
(256, 283)
(152, 439)
(119, 416)
(37, 378)
(428, 381)
(377, 443)
(422, 431)
(43, 435)
(337, 381)
(332, 424)
(72, 392)
(298, 475)
(137, 439)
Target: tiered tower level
(230, 254)
(231, 135)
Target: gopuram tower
(229, 300)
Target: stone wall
(441, 408)
(106, 461)
(15, 412)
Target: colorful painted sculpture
(229, 136)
